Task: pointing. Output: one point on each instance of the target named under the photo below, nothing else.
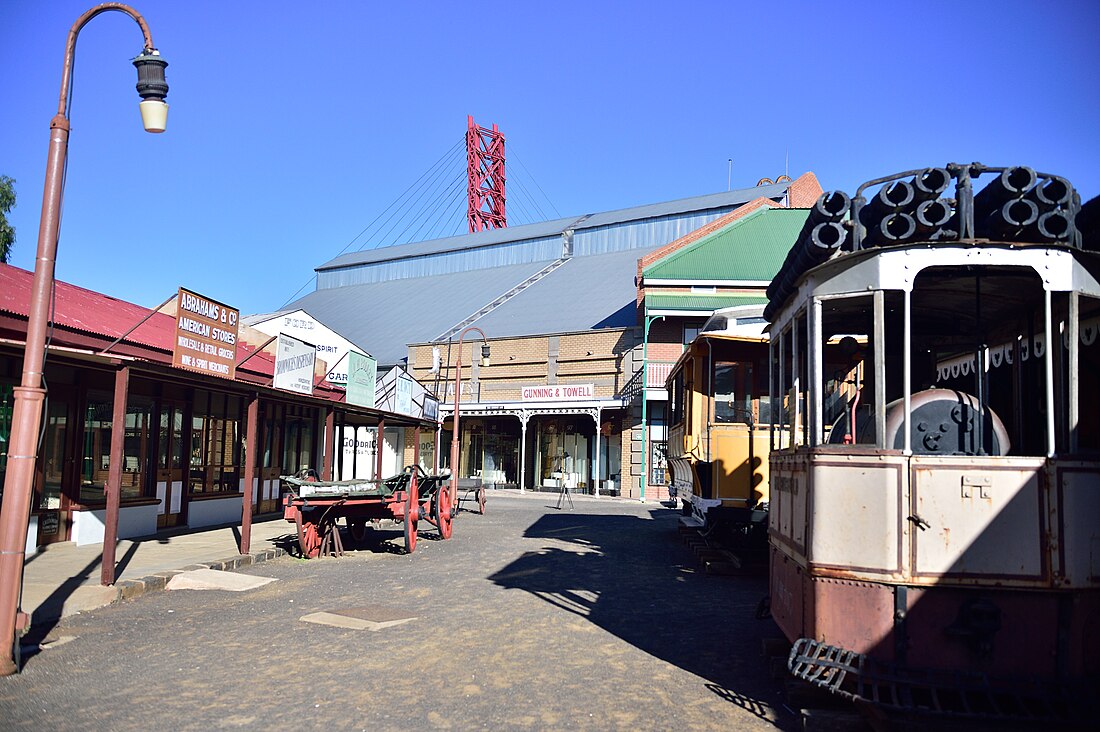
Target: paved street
(529, 618)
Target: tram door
(170, 465)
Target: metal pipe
(817, 413)
(796, 383)
(141, 322)
(1048, 358)
(1074, 326)
(251, 457)
(907, 368)
(113, 487)
(880, 368)
(649, 320)
(29, 395)
(454, 417)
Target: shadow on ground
(632, 577)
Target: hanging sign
(557, 392)
(362, 377)
(206, 336)
(294, 364)
(431, 409)
(404, 400)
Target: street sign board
(206, 335)
(294, 364)
(362, 377)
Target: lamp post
(458, 380)
(29, 395)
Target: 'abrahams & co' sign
(206, 336)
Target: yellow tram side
(718, 442)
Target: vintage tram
(934, 519)
(718, 441)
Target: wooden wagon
(315, 507)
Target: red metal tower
(485, 170)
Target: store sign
(404, 402)
(362, 378)
(557, 392)
(431, 409)
(294, 364)
(206, 336)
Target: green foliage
(7, 203)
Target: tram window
(847, 375)
(676, 399)
(1087, 429)
(732, 392)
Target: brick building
(569, 319)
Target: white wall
(133, 521)
(213, 512)
(359, 443)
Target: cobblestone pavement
(528, 618)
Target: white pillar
(523, 417)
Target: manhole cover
(365, 617)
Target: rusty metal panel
(1078, 537)
(857, 616)
(978, 518)
(862, 498)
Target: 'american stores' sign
(206, 336)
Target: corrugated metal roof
(93, 313)
(491, 237)
(87, 311)
(751, 248)
(708, 303)
(584, 293)
(385, 316)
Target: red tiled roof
(98, 315)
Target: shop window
(216, 436)
(7, 401)
(96, 447)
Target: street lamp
(458, 378)
(29, 395)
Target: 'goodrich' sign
(206, 336)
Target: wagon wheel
(441, 508)
(410, 526)
(357, 529)
(309, 539)
(481, 500)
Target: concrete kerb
(90, 597)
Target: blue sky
(294, 125)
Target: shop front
(541, 445)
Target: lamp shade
(485, 355)
(154, 115)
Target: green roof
(750, 248)
(707, 303)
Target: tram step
(804, 695)
(833, 720)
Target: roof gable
(750, 248)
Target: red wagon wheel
(309, 539)
(410, 525)
(441, 508)
(481, 500)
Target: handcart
(315, 506)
